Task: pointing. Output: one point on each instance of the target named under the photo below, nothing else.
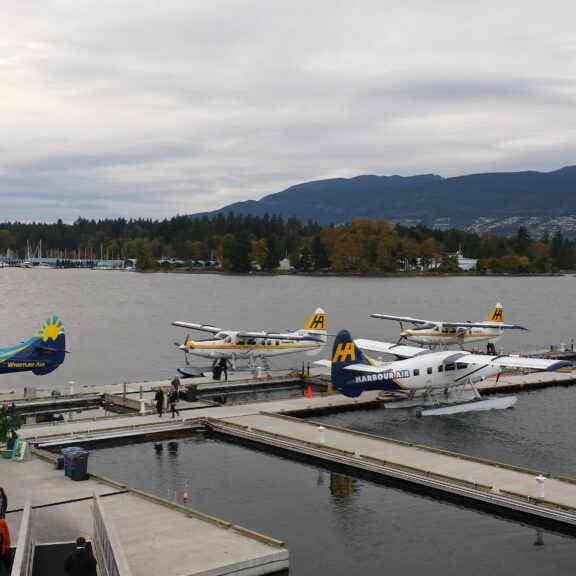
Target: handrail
(23, 559)
(107, 547)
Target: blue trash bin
(66, 453)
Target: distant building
(465, 264)
(285, 265)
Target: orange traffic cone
(309, 392)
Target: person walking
(3, 503)
(81, 561)
(176, 383)
(172, 399)
(5, 557)
(159, 400)
(224, 367)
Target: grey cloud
(150, 110)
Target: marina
(277, 412)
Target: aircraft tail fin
(497, 314)
(344, 353)
(317, 326)
(41, 354)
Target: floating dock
(62, 509)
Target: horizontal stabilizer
(399, 350)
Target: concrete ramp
(156, 540)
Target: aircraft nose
(190, 344)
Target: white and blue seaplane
(235, 345)
(435, 333)
(442, 381)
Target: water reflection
(342, 487)
(539, 537)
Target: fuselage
(435, 334)
(238, 347)
(423, 372)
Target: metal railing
(24, 557)
(107, 547)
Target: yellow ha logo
(343, 351)
(498, 315)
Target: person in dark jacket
(172, 399)
(223, 367)
(3, 503)
(81, 561)
(159, 399)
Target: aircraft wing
(390, 348)
(279, 336)
(483, 325)
(202, 327)
(508, 361)
(402, 319)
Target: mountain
(498, 202)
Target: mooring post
(322, 433)
(541, 479)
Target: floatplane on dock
(236, 345)
(445, 380)
(434, 333)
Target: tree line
(245, 243)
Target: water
(335, 524)
(118, 328)
(118, 324)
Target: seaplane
(41, 354)
(443, 382)
(247, 347)
(441, 334)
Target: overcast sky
(141, 108)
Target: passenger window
(440, 368)
(416, 372)
(429, 370)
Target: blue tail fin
(344, 353)
(41, 354)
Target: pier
(60, 509)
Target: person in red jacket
(5, 556)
